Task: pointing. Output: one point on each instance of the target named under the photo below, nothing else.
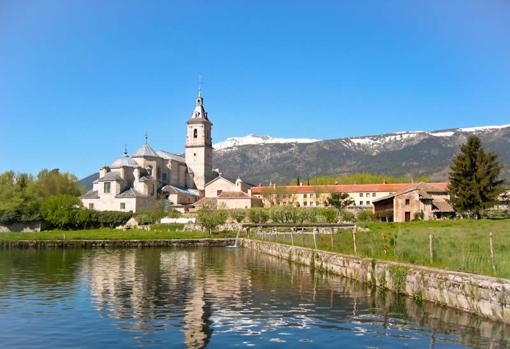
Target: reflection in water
(211, 297)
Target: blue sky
(79, 79)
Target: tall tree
(474, 183)
(340, 200)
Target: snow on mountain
(254, 139)
(373, 144)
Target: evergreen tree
(474, 183)
(340, 200)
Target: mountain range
(263, 159)
(410, 153)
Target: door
(407, 216)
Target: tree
(210, 218)
(61, 210)
(330, 214)
(238, 215)
(258, 215)
(474, 183)
(340, 200)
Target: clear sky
(79, 79)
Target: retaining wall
(116, 243)
(482, 295)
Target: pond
(211, 297)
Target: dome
(125, 161)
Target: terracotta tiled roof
(442, 206)
(233, 195)
(346, 188)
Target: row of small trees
(211, 218)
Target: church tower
(199, 145)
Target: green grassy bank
(156, 233)
(460, 245)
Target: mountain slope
(412, 154)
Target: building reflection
(198, 291)
(152, 288)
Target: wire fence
(480, 252)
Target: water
(211, 297)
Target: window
(91, 206)
(107, 187)
(195, 133)
(305, 195)
(361, 203)
(408, 201)
(164, 177)
(373, 195)
(305, 203)
(218, 193)
(122, 205)
(368, 202)
(360, 195)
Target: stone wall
(116, 243)
(482, 295)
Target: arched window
(195, 133)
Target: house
(363, 195)
(227, 193)
(426, 201)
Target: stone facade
(424, 201)
(134, 183)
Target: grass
(156, 233)
(460, 245)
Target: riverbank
(477, 294)
(112, 235)
(41, 244)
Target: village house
(424, 201)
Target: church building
(134, 183)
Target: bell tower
(199, 149)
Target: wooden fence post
(292, 236)
(332, 239)
(354, 240)
(314, 241)
(431, 248)
(491, 246)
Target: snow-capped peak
(254, 139)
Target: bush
(347, 216)
(211, 218)
(364, 216)
(307, 215)
(60, 211)
(258, 215)
(330, 215)
(238, 215)
(112, 219)
(284, 214)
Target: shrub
(347, 216)
(238, 215)
(60, 211)
(211, 218)
(330, 214)
(284, 214)
(364, 215)
(258, 215)
(307, 215)
(112, 219)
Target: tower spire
(125, 150)
(146, 138)
(199, 85)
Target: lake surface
(211, 297)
